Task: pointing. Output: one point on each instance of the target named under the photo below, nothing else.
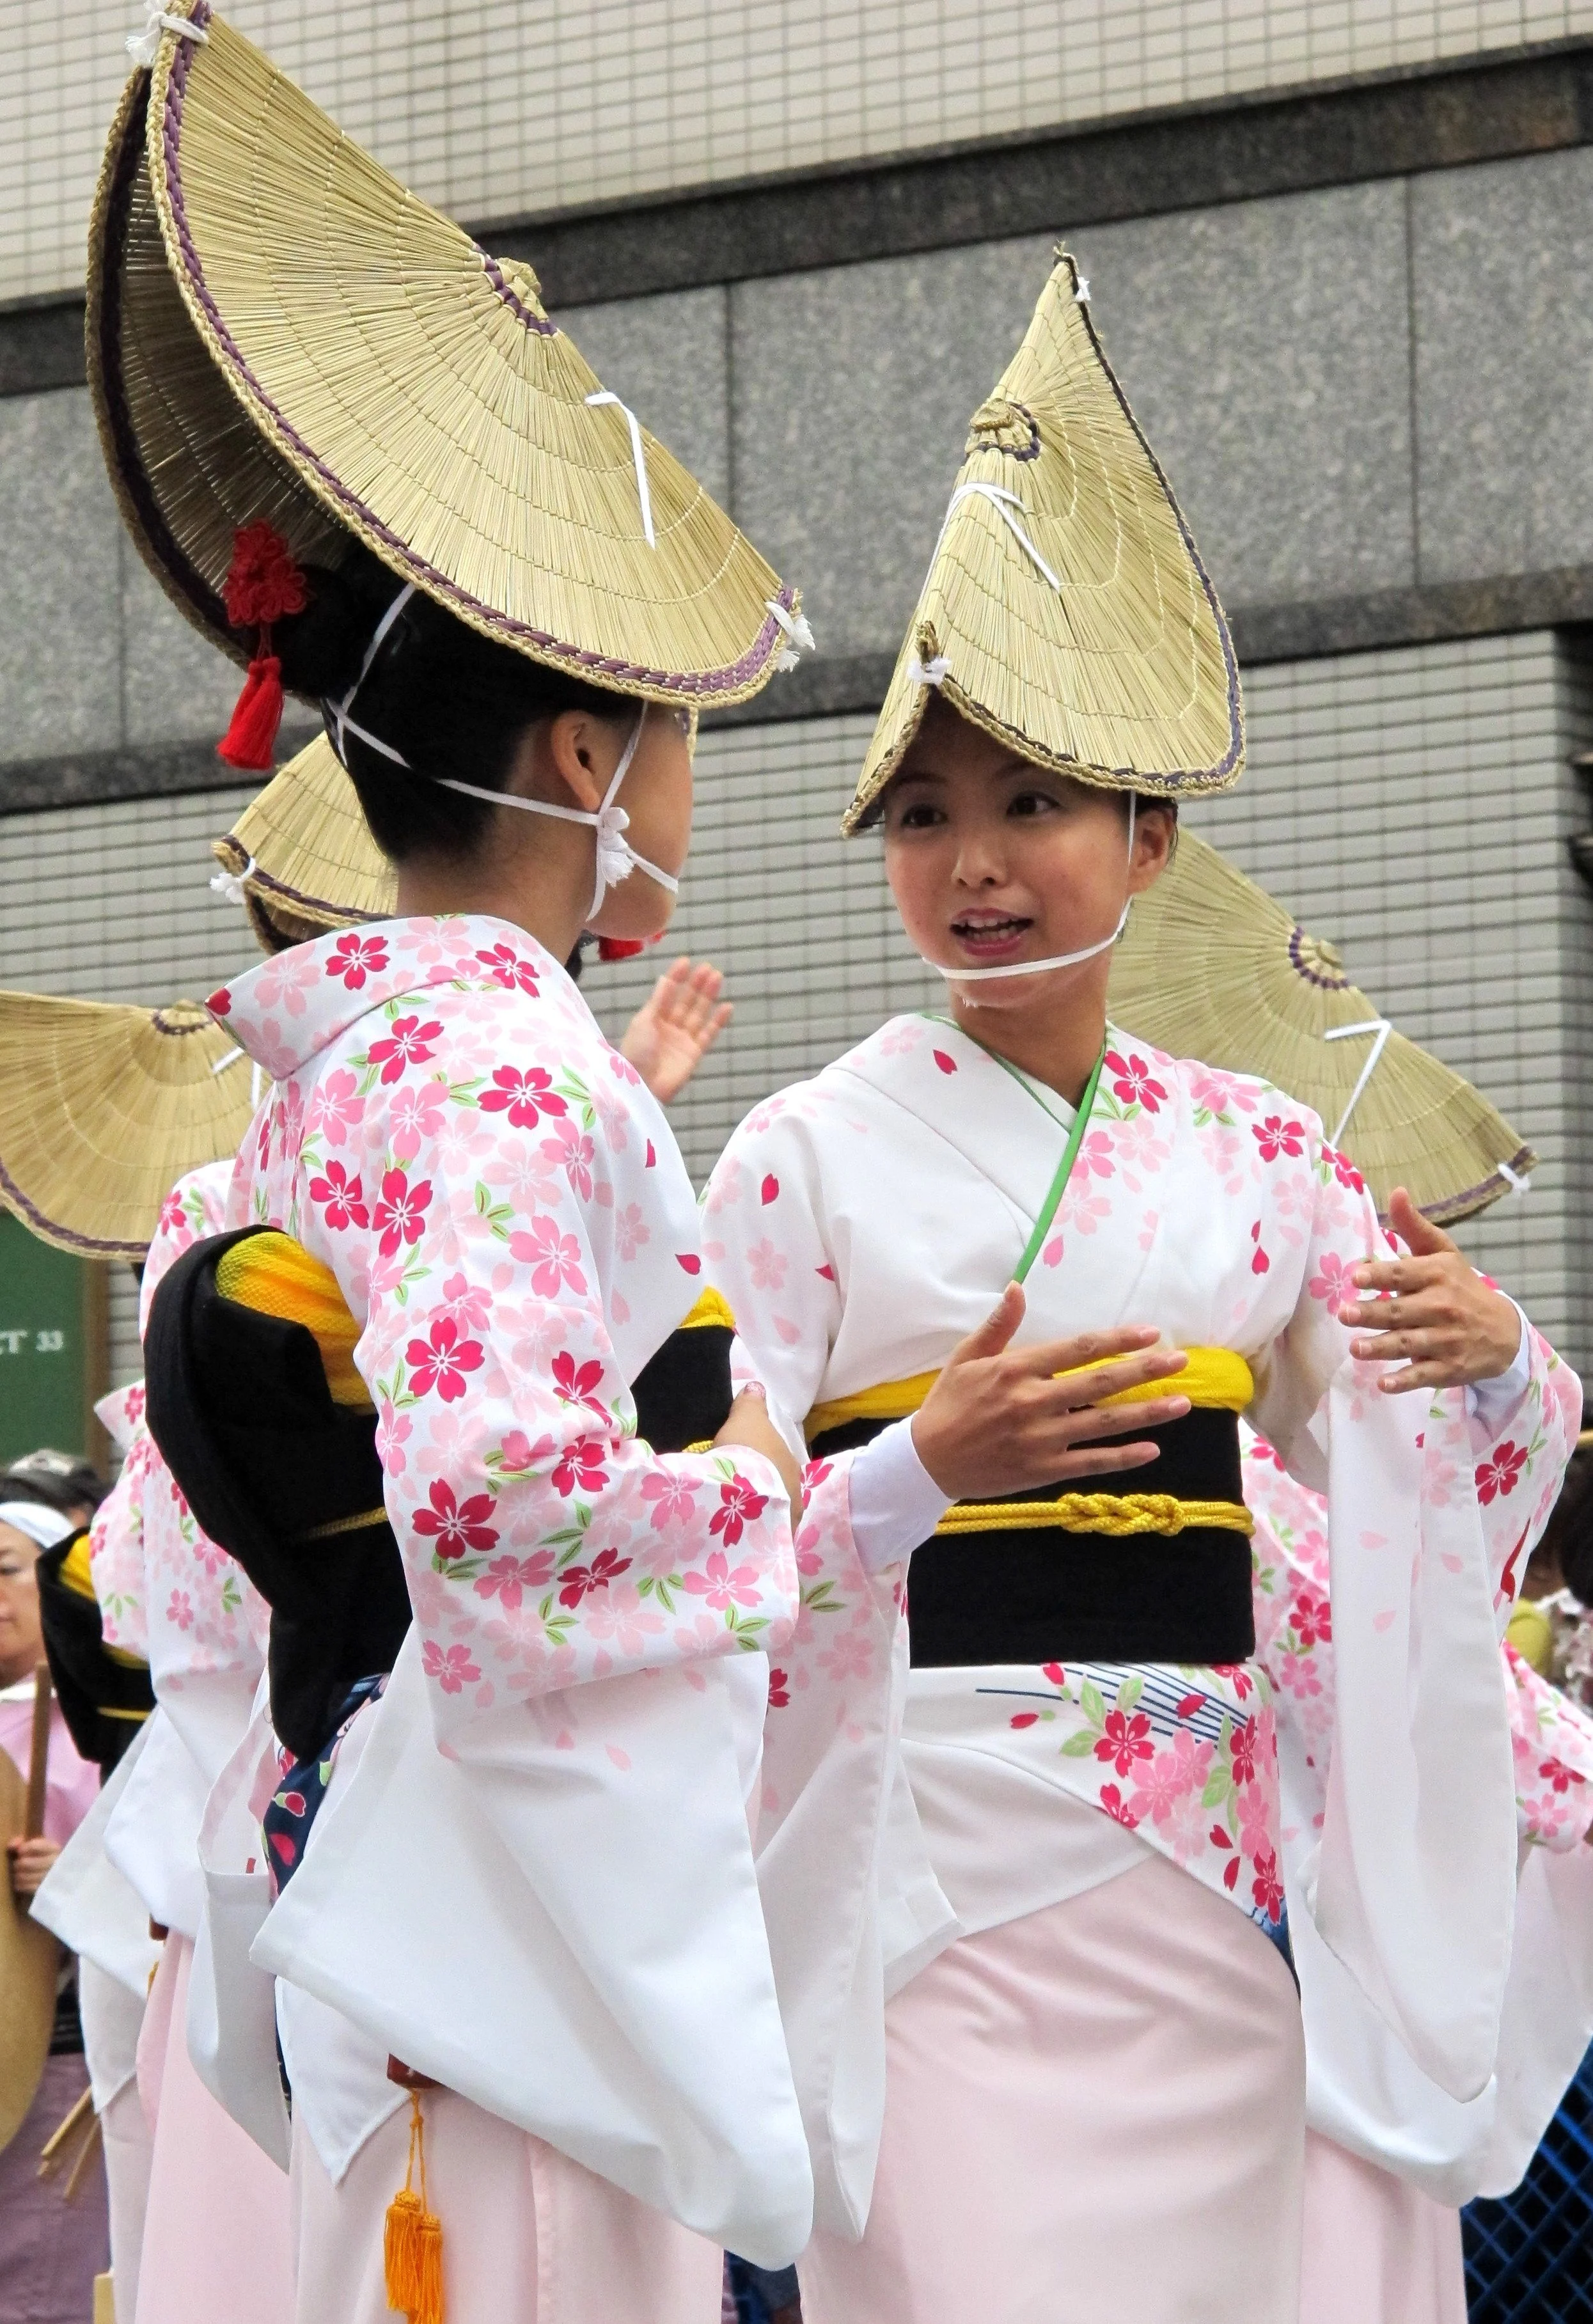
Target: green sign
(51, 1343)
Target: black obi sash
(104, 1697)
(1048, 1593)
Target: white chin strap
(1058, 960)
(616, 858)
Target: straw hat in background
(301, 858)
(1067, 611)
(290, 354)
(103, 1108)
(1211, 966)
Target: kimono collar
(286, 1010)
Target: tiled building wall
(1412, 805)
(499, 107)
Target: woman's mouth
(992, 936)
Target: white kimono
(863, 1222)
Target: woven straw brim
(277, 329)
(305, 853)
(103, 1108)
(1211, 967)
(1124, 674)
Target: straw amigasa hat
(1211, 967)
(1066, 610)
(103, 1108)
(288, 354)
(301, 858)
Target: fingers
(1089, 1349)
(1419, 1235)
(991, 1337)
(1108, 1462)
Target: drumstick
(38, 1753)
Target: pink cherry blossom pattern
(453, 1527)
(1501, 1472)
(524, 1093)
(738, 1507)
(442, 1359)
(724, 1585)
(354, 958)
(553, 1257)
(452, 1666)
(1133, 1081)
(583, 1463)
(671, 1492)
(504, 966)
(579, 1580)
(398, 1216)
(1275, 1136)
(342, 1198)
(512, 1579)
(409, 1043)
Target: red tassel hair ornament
(262, 583)
(624, 947)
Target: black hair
(454, 704)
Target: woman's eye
(1030, 803)
(919, 819)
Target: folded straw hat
(1211, 967)
(1066, 610)
(103, 1108)
(282, 338)
(302, 853)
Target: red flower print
(724, 1585)
(769, 1190)
(398, 1216)
(1313, 1620)
(342, 1198)
(1267, 1887)
(262, 581)
(606, 1567)
(170, 1217)
(504, 966)
(355, 958)
(947, 1065)
(509, 1577)
(1024, 1718)
(1275, 1136)
(581, 1463)
(652, 1159)
(1508, 1580)
(1116, 1806)
(1125, 1740)
(1344, 1170)
(1260, 1264)
(1134, 1084)
(1559, 1775)
(220, 1003)
(523, 1096)
(779, 1690)
(553, 1258)
(1219, 1838)
(442, 1362)
(451, 1666)
(1238, 1677)
(577, 1385)
(1055, 1672)
(1502, 1474)
(738, 1506)
(410, 1043)
(456, 1526)
(690, 1261)
(1243, 1748)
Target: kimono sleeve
(116, 1553)
(1552, 1741)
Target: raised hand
(675, 1027)
(1434, 1309)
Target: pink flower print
(336, 1107)
(171, 1218)
(523, 1095)
(1125, 1740)
(580, 1581)
(342, 1198)
(1267, 1887)
(504, 966)
(1500, 1475)
(571, 1150)
(410, 1043)
(630, 1230)
(1095, 1155)
(510, 1577)
(1312, 1619)
(1159, 1788)
(1133, 1083)
(1083, 1208)
(1242, 1747)
(417, 1115)
(456, 1527)
(286, 980)
(1559, 1775)
(394, 1431)
(767, 1266)
(442, 1360)
(469, 1306)
(1275, 1136)
(180, 1609)
(722, 1585)
(738, 1507)
(553, 1257)
(1343, 1169)
(671, 1492)
(578, 1384)
(582, 1463)
(1116, 1806)
(521, 1172)
(400, 1213)
(1333, 1280)
(451, 1666)
(1218, 1093)
(356, 958)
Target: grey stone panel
(1503, 264)
(666, 356)
(60, 675)
(178, 688)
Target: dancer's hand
(31, 1859)
(675, 1027)
(750, 1425)
(996, 1420)
(1435, 1310)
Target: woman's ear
(1155, 828)
(576, 746)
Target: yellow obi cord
(1214, 1379)
(1117, 1514)
(276, 1276)
(710, 1308)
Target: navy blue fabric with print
(297, 1801)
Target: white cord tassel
(798, 630)
(145, 46)
(607, 395)
(222, 1063)
(927, 673)
(231, 885)
(1517, 1181)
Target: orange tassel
(249, 742)
(412, 2241)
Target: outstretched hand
(1433, 1308)
(675, 1027)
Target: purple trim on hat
(599, 666)
(1029, 451)
(515, 304)
(281, 892)
(1332, 983)
(90, 1246)
(161, 1022)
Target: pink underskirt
(529, 2236)
(1096, 2110)
(1376, 2250)
(215, 2232)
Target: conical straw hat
(1066, 610)
(1211, 967)
(103, 1108)
(303, 855)
(279, 332)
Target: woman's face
(656, 796)
(22, 1639)
(992, 860)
